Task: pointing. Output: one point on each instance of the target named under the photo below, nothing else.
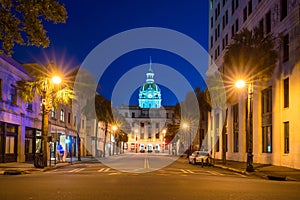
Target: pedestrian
(60, 152)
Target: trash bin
(38, 161)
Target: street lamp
(164, 131)
(114, 128)
(136, 140)
(45, 98)
(249, 132)
(187, 126)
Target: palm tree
(104, 114)
(250, 56)
(204, 107)
(41, 84)
(123, 127)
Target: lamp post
(164, 139)
(136, 140)
(188, 127)
(249, 132)
(114, 128)
(46, 95)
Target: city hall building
(149, 119)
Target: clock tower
(150, 94)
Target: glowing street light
(56, 80)
(242, 84)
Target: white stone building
(148, 120)
(276, 106)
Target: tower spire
(150, 67)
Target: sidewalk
(15, 168)
(265, 171)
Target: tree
(104, 114)
(203, 98)
(41, 85)
(21, 22)
(250, 56)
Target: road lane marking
(146, 163)
(215, 173)
(114, 173)
(240, 175)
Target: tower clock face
(149, 95)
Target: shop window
(10, 145)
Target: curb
(231, 169)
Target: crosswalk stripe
(76, 170)
(190, 171)
(215, 173)
(104, 170)
(100, 170)
(184, 171)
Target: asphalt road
(146, 180)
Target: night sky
(91, 22)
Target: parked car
(142, 151)
(200, 157)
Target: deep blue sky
(91, 22)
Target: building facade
(148, 120)
(275, 101)
(21, 122)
